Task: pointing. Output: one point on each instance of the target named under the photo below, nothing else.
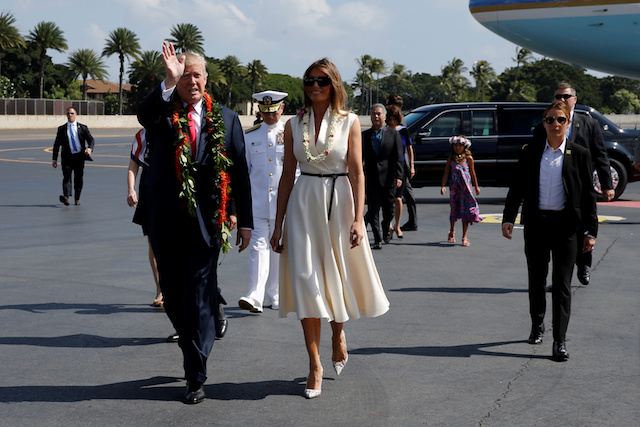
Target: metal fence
(48, 107)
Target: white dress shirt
(551, 195)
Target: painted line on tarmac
(496, 218)
(49, 150)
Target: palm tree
(484, 75)
(9, 37)
(377, 67)
(256, 71)
(523, 56)
(86, 62)
(363, 78)
(452, 81)
(187, 38)
(125, 43)
(149, 66)
(230, 67)
(399, 77)
(215, 76)
(46, 35)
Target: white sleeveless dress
(320, 275)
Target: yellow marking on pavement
(497, 218)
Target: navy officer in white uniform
(264, 144)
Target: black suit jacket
(385, 167)
(165, 207)
(576, 177)
(62, 141)
(586, 132)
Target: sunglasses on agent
(564, 96)
(322, 81)
(550, 120)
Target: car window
(482, 123)
(448, 124)
(519, 121)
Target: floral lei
(306, 118)
(186, 167)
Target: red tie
(192, 132)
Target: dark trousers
(380, 197)
(74, 166)
(410, 202)
(550, 238)
(188, 279)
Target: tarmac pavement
(82, 345)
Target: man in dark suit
(184, 203)
(384, 171)
(553, 184)
(77, 144)
(585, 131)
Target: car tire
(618, 176)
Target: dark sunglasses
(550, 119)
(563, 96)
(322, 81)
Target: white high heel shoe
(310, 393)
(339, 366)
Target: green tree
(523, 57)
(378, 66)
(399, 79)
(363, 82)
(231, 68)
(187, 38)
(484, 75)
(124, 43)
(46, 35)
(215, 79)
(145, 74)
(256, 71)
(86, 62)
(625, 102)
(9, 37)
(452, 81)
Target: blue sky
(286, 35)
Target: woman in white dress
(327, 270)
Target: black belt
(334, 176)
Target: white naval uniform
(265, 151)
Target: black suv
(498, 131)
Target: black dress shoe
(377, 245)
(174, 337)
(583, 274)
(536, 334)
(560, 353)
(64, 200)
(221, 328)
(409, 227)
(387, 237)
(195, 393)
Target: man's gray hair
(565, 85)
(378, 105)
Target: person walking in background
(265, 150)
(384, 173)
(553, 184)
(461, 174)
(326, 273)
(407, 192)
(394, 120)
(77, 145)
(139, 160)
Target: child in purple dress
(461, 174)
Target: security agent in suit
(264, 150)
(187, 247)
(585, 131)
(384, 171)
(77, 145)
(553, 184)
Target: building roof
(98, 86)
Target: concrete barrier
(627, 121)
